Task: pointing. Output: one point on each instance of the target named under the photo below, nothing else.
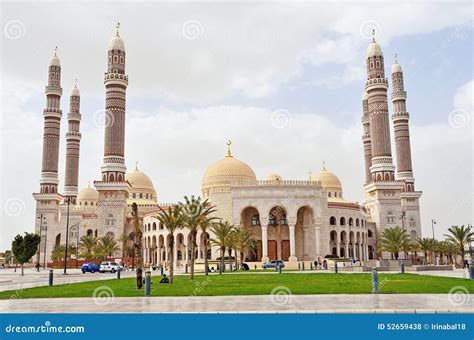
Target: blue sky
(188, 96)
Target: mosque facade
(292, 220)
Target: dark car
(273, 264)
(89, 267)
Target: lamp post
(77, 242)
(39, 244)
(68, 200)
(45, 244)
(433, 222)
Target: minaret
(383, 191)
(73, 140)
(116, 82)
(400, 127)
(366, 138)
(48, 199)
(113, 188)
(400, 117)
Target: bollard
(162, 270)
(302, 265)
(299, 266)
(402, 267)
(311, 265)
(255, 267)
(147, 283)
(279, 269)
(118, 274)
(186, 268)
(471, 270)
(335, 267)
(375, 281)
(50, 277)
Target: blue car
(89, 267)
(273, 264)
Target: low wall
(428, 268)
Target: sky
(283, 80)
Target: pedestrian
(325, 264)
(37, 265)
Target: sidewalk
(107, 303)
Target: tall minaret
(400, 117)
(73, 140)
(383, 191)
(366, 138)
(48, 199)
(113, 188)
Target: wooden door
(285, 250)
(272, 250)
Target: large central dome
(226, 171)
(143, 190)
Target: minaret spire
(229, 143)
(73, 140)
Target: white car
(108, 266)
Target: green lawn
(256, 284)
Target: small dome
(273, 177)
(374, 49)
(143, 190)
(226, 171)
(75, 91)
(88, 195)
(396, 68)
(328, 180)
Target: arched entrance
(305, 247)
(250, 218)
(278, 234)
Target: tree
(393, 240)
(106, 246)
(460, 236)
(137, 243)
(57, 254)
(123, 239)
(172, 220)
(414, 248)
(426, 246)
(221, 232)
(244, 241)
(24, 247)
(87, 244)
(204, 225)
(195, 213)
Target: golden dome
(273, 177)
(328, 180)
(143, 190)
(226, 171)
(88, 195)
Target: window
(283, 220)
(357, 222)
(141, 195)
(329, 194)
(342, 221)
(255, 220)
(121, 60)
(369, 233)
(412, 223)
(371, 64)
(271, 220)
(332, 220)
(110, 220)
(110, 59)
(115, 59)
(378, 64)
(154, 226)
(390, 217)
(413, 235)
(351, 222)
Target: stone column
(305, 242)
(175, 251)
(367, 251)
(360, 252)
(264, 243)
(292, 228)
(347, 249)
(186, 256)
(317, 231)
(159, 255)
(198, 244)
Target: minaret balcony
(376, 83)
(56, 90)
(400, 115)
(399, 95)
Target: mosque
(292, 219)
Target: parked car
(108, 266)
(273, 264)
(89, 267)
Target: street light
(433, 222)
(40, 217)
(68, 200)
(77, 241)
(45, 244)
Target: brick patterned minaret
(382, 168)
(401, 130)
(113, 188)
(366, 138)
(73, 140)
(48, 199)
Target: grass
(255, 284)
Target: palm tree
(123, 239)
(393, 240)
(205, 224)
(414, 248)
(172, 220)
(196, 212)
(461, 236)
(87, 245)
(230, 244)
(244, 241)
(426, 246)
(106, 246)
(221, 231)
(451, 251)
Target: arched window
(110, 220)
(342, 221)
(329, 194)
(141, 195)
(112, 178)
(357, 222)
(351, 222)
(390, 217)
(154, 226)
(412, 222)
(369, 233)
(255, 220)
(332, 220)
(413, 235)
